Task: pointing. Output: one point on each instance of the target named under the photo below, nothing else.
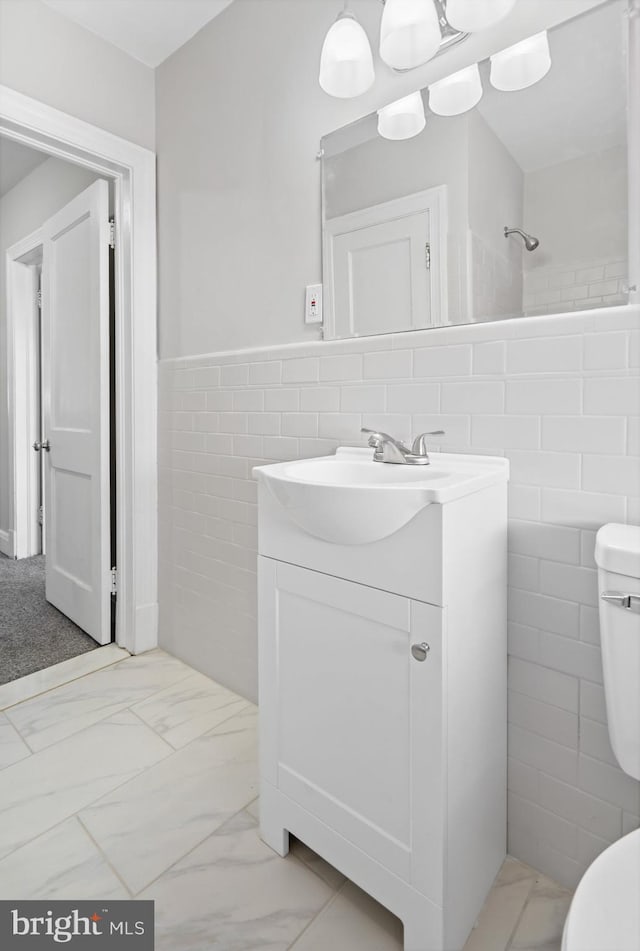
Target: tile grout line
(198, 844)
(92, 802)
(321, 911)
(114, 712)
(514, 931)
(74, 679)
(104, 855)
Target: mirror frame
(632, 15)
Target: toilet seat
(605, 911)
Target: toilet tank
(617, 556)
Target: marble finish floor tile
(25, 688)
(542, 922)
(55, 715)
(189, 708)
(233, 893)
(144, 782)
(47, 787)
(147, 824)
(502, 910)
(12, 746)
(353, 921)
(62, 863)
(327, 872)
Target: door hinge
(39, 299)
(112, 234)
(40, 516)
(427, 256)
(114, 580)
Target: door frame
(433, 200)
(22, 373)
(131, 168)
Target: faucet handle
(419, 447)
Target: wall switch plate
(313, 304)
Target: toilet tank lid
(618, 549)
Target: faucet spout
(390, 450)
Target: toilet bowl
(605, 911)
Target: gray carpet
(33, 634)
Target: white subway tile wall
(601, 283)
(559, 396)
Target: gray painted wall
(58, 62)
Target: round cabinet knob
(420, 651)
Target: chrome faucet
(388, 449)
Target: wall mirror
(517, 206)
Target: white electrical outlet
(313, 304)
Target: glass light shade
(471, 16)
(402, 119)
(521, 65)
(409, 33)
(346, 61)
(457, 93)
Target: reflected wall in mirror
(423, 232)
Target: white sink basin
(349, 499)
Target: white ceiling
(16, 162)
(148, 30)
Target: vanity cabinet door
(351, 724)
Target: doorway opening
(132, 430)
(59, 599)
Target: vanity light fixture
(409, 33)
(403, 118)
(346, 61)
(457, 93)
(471, 16)
(522, 64)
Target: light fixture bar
(450, 36)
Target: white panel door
(351, 724)
(75, 378)
(385, 267)
(381, 281)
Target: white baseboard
(6, 543)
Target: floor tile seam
(207, 732)
(126, 705)
(123, 708)
(105, 857)
(25, 737)
(330, 900)
(21, 758)
(72, 679)
(196, 846)
(87, 805)
(525, 903)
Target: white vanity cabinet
(383, 712)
